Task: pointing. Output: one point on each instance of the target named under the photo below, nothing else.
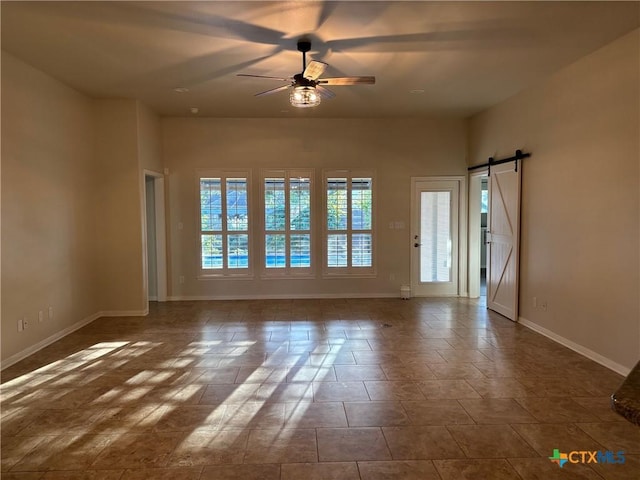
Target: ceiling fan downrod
(304, 46)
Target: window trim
(349, 271)
(288, 271)
(225, 271)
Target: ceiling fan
(307, 88)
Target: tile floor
(309, 389)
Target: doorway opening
(501, 236)
(484, 210)
(478, 218)
(155, 273)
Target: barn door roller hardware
(492, 161)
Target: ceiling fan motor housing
(301, 81)
(304, 46)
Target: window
(285, 238)
(349, 223)
(224, 223)
(287, 222)
(484, 198)
(435, 234)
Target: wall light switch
(50, 313)
(20, 325)
(40, 316)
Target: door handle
(417, 245)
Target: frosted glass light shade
(303, 97)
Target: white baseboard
(182, 298)
(124, 313)
(584, 351)
(13, 359)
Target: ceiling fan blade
(314, 70)
(173, 16)
(347, 81)
(273, 90)
(326, 10)
(325, 92)
(205, 65)
(442, 39)
(264, 76)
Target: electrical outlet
(543, 305)
(50, 313)
(25, 324)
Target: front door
(503, 239)
(434, 237)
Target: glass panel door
(435, 237)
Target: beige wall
(118, 207)
(149, 144)
(149, 161)
(127, 143)
(580, 197)
(72, 206)
(47, 195)
(396, 149)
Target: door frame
(160, 234)
(475, 240)
(462, 227)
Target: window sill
(225, 276)
(343, 275)
(287, 276)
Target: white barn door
(503, 239)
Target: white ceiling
(465, 56)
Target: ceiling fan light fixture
(304, 96)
